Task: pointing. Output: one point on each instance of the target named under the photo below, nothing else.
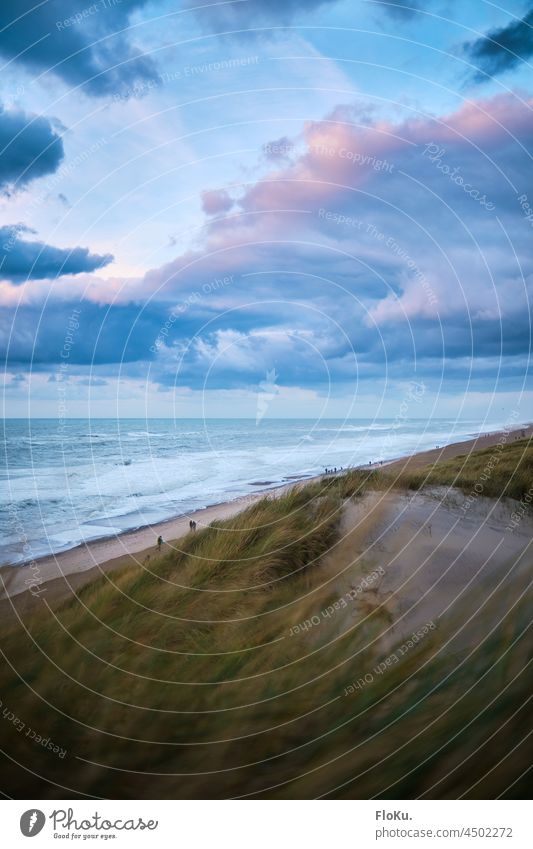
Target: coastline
(56, 577)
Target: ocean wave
(85, 475)
(142, 434)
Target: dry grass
(504, 470)
(184, 682)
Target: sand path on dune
(425, 552)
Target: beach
(373, 605)
(93, 479)
(56, 577)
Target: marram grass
(183, 680)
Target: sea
(94, 478)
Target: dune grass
(188, 680)
(504, 470)
(501, 470)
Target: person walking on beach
(159, 542)
(192, 525)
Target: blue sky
(337, 192)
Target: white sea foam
(60, 488)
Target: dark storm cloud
(228, 358)
(21, 259)
(79, 333)
(81, 42)
(372, 239)
(504, 48)
(30, 147)
(397, 253)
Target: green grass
(183, 681)
(498, 471)
(505, 470)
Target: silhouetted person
(159, 542)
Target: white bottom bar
(268, 824)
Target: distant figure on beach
(192, 525)
(159, 542)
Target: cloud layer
(86, 45)
(247, 14)
(374, 250)
(30, 147)
(21, 259)
(504, 48)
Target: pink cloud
(345, 159)
(216, 201)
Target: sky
(333, 200)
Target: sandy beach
(56, 577)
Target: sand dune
(429, 553)
(58, 576)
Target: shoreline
(57, 576)
(83, 562)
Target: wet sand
(57, 577)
